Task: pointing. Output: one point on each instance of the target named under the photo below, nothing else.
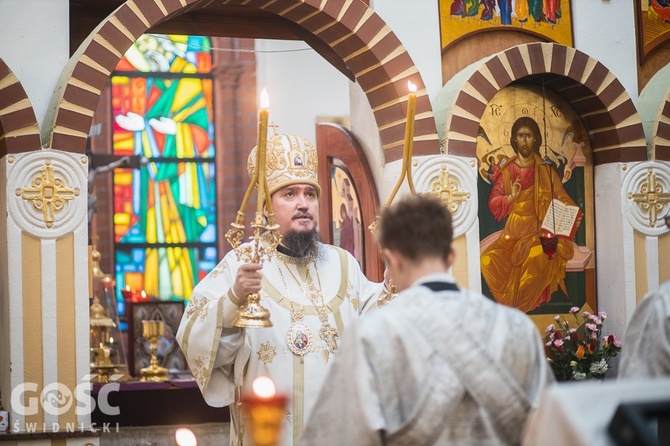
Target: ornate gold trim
(651, 197)
(447, 190)
(48, 193)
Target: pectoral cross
(329, 336)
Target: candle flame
(127, 287)
(185, 437)
(265, 99)
(263, 387)
(411, 86)
(143, 294)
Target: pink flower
(558, 342)
(586, 314)
(549, 343)
(557, 318)
(565, 323)
(592, 327)
(593, 317)
(572, 330)
(617, 343)
(567, 338)
(602, 314)
(594, 336)
(574, 310)
(550, 328)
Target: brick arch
(19, 131)
(363, 41)
(654, 108)
(610, 117)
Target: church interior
(125, 129)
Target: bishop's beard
(304, 246)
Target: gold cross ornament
(48, 193)
(651, 198)
(446, 190)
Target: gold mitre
(290, 160)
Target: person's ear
(451, 257)
(390, 258)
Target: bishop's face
(525, 141)
(296, 208)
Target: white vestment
(225, 360)
(432, 368)
(645, 352)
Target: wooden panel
(334, 141)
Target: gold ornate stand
(153, 331)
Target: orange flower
(580, 352)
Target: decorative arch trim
(354, 31)
(654, 108)
(614, 126)
(19, 131)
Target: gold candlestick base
(264, 418)
(252, 314)
(154, 374)
(153, 331)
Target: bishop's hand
(248, 279)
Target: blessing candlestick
(252, 314)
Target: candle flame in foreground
(265, 99)
(185, 437)
(411, 86)
(263, 387)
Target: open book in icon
(562, 219)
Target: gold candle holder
(252, 314)
(153, 331)
(264, 412)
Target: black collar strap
(440, 286)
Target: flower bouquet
(580, 352)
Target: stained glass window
(165, 211)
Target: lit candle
(185, 437)
(549, 243)
(264, 387)
(107, 283)
(127, 293)
(264, 410)
(262, 142)
(409, 125)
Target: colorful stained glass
(176, 208)
(165, 272)
(168, 118)
(157, 53)
(164, 212)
